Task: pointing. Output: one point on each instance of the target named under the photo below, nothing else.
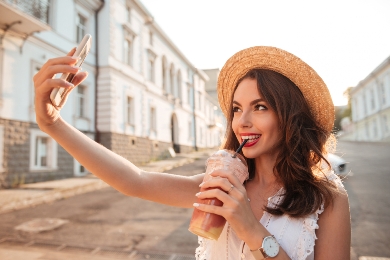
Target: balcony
(24, 16)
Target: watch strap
(258, 254)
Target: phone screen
(82, 56)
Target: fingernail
(200, 185)
(195, 205)
(69, 84)
(197, 194)
(76, 67)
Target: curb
(50, 196)
(31, 195)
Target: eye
(260, 107)
(236, 109)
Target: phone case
(57, 94)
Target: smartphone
(57, 94)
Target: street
(105, 224)
(368, 190)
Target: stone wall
(16, 158)
(138, 150)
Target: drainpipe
(97, 134)
(193, 112)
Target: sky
(343, 40)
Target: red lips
(250, 142)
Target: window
(385, 124)
(365, 104)
(200, 100)
(128, 51)
(153, 120)
(375, 129)
(1, 147)
(372, 99)
(190, 76)
(81, 23)
(172, 80)
(128, 14)
(151, 69)
(34, 70)
(151, 38)
(151, 66)
(367, 131)
(43, 151)
(190, 130)
(178, 95)
(130, 111)
(81, 101)
(164, 74)
(383, 93)
(189, 94)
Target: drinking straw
(239, 148)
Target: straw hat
(308, 81)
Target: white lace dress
(295, 235)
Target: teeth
(250, 137)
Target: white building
(370, 101)
(141, 97)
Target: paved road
(368, 190)
(104, 222)
(109, 225)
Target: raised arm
(113, 169)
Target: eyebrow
(252, 102)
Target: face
(253, 119)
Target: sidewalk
(29, 195)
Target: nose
(245, 120)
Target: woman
(292, 207)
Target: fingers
(51, 70)
(228, 175)
(72, 51)
(232, 198)
(79, 77)
(222, 211)
(49, 84)
(217, 182)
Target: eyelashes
(257, 107)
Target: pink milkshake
(210, 225)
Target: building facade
(141, 98)
(370, 105)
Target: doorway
(174, 134)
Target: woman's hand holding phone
(45, 81)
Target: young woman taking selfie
(292, 206)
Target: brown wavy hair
(301, 146)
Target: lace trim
(306, 242)
(200, 252)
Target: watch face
(270, 246)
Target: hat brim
(307, 80)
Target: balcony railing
(36, 8)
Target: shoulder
(335, 224)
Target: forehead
(247, 89)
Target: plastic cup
(209, 225)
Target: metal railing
(36, 8)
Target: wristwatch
(269, 248)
